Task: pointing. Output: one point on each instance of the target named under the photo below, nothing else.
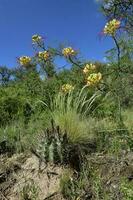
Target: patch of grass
(71, 111)
(127, 189)
(78, 129)
(128, 119)
(111, 137)
(18, 136)
(12, 137)
(66, 184)
(73, 187)
(97, 186)
(30, 191)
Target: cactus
(51, 152)
(55, 148)
(51, 147)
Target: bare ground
(23, 174)
(23, 177)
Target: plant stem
(73, 62)
(119, 70)
(118, 52)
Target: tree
(5, 75)
(119, 9)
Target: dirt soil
(23, 177)
(22, 174)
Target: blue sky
(73, 22)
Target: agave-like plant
(71, 113)
(78, 101)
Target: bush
(69, 112)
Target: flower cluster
(36, 38)
(94, 79)
(44, 55)
(69, 51)
(111, 27)
(88, 68)
(67, 88)
(24, 60)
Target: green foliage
(10, 108)
(119, 9)
(30, 191)
(97, 185)
(127, 189)
(66, 184)
(69, 111)
(13, 137)
(73, 187)
(52, 146)
(5, 75)
(55, 147)
(19, 136)
(89, 121)
(13, 105)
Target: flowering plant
(111, 27)
(24, 60)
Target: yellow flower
(67, 88)
(68, 52)
(44, 55)
(36, 38)
(94, 79)
(111, 27)
(24, 60)
(88, 68)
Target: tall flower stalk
(111, 29)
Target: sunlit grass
(72, 111)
